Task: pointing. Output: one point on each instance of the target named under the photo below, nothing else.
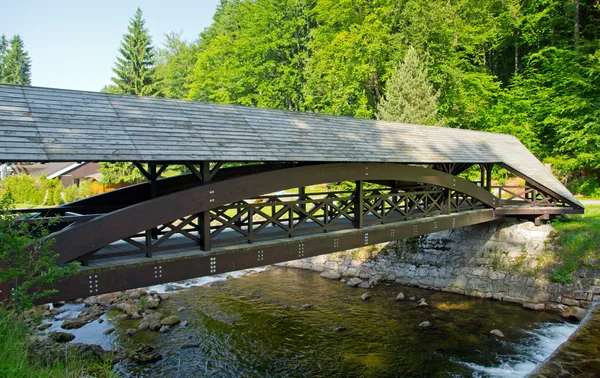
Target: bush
(27, 260)
(586, 186)
(26, 189)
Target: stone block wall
(502, 260)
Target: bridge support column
(204, 217)
(358, 205)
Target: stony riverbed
(288, 322)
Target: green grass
(14, 361)
(577, 242)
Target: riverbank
(579, 355)
(506, 260)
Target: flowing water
(258, 325)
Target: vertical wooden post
(446, 202)
(358, 205)
(204, 217)
(153, 232)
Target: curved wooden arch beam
(101, 231)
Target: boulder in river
(61, 337)
(131, 331)
(144, 355)
(331, 275)
(365, 296)
(109, 331)
(164, 329)
(364, 285)
(422, 303)
(73, 323)
(108, 299)
(425, 324)
(153, 303)
(143, 325)
(44, 326)
(171, 320)
(400, 296)
(577, 313)
(496, 332)
(354, 281)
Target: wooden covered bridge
(220, 217)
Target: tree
(176, 62)
(135, 66)
(3, 50)
(27, 260)
(17, 64)
(409, 97)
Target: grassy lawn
(577, 241)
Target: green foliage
(577, 244)
(410, 97)
(26, 189)
(511, 66)
(27, 259)
(15, 63)
(134, 69)
(117, 173)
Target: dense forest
(530, 68)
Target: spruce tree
(3, 49)
(134, 68)
(410, 96)
(17, 64)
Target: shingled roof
(43, 125)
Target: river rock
(422, 304)
(154, 325)
(164, 329)
(100, 320)
(131, 331)
(135, 315)
(339, 329)
(171, 320)
(109, 331)
(164, 296)
(142, 292)
(184, 323)
(354, 281)
(364, 285)
(92, 313)
(412, 299)
(134, 295)
(90, 301)
(181, 309)
(144, 355)
(108, 299)
(425, 324)
(143, 325)
(188, 346)
(153, 303)
(60, 337)
(365, 296)
(307, 306)
(400, 297)
(44, 326)
(573, 313)
(58, 304)
(496, 332)
(331, 275)
(73, 323)
(50, 353)
(534, 306)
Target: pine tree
(410, 96)
(135, 65)
(3, 49)
(17, 64)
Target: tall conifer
(3, 50)
(410, 96)
(135, 65)
(17, 64)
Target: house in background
(69, 173)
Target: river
(292, 323)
